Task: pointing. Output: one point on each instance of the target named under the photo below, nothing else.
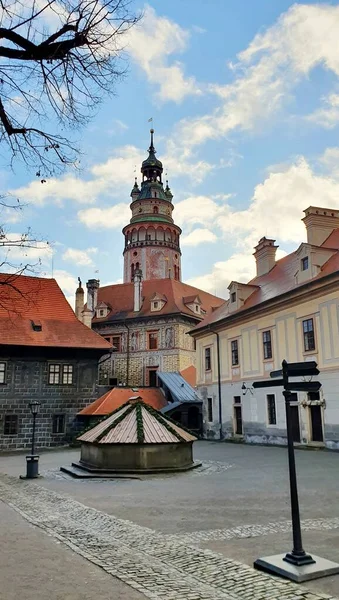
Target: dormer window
(101, 312)
(197, 308)
(304, 263)
(155, 305)
(233, 297)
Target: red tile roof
(121, 299)
(190, 375)
(280, 280)
(25, 299)
(119, 396)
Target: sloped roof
(278, 281)
(121, 299)
(190, 375)
(136, 423)
(181, 391)
(25, 299)
(119, 396)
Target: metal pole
(219, 383)
(33, 434)
(298, 555)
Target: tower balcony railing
(142, 243)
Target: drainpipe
(127, 355)
(219, 380)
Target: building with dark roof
(46, 355)
(148, 316)
(290, 311)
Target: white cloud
(14, 250)
(80, 257)
(105, 218)
(198, 236)
(200, 210)
(303, 38)
(68, 284)
(327, 117)
(275, 210)
(151, 44)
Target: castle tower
(152, 240)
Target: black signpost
(297, 565)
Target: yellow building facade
(290, 311)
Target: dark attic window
(36, 326)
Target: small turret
(79, 300)
(168, 192)
(135, 191)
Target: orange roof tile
(25, 299)
(280, 280)
(121, 299)
(190, 375)
(119, 396)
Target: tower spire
(151, 148)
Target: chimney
(137, 289)
(320, 222)
(265, 256)
(92, 293)
(79, 300)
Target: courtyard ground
(186, 536)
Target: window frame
(267, 344)
(12, 418)
(210, 409)
(156, 338)
(60, 369)
(55, 421)
(114, 337)
(67, 369)
(309, 335)
(233, 297)
(270, 397)
(208, 359)
(3, 373)
(305, 260)
(235, 353)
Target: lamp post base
(277, 565)
(299, 559)
(32, 467)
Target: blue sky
(245, 103)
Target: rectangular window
(54, 374)
(233, 296)
(155, 305)
(237, 399)
(67, 374)
(304, 263)
(210, 409)
(2, 372)
(271, 412)
(152, 340)
(208, 362)
(235, 353)
(58, 424)
(308, 331)
(108, 339)
(116, 341)
(267, 343)
(11, 425)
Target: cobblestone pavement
(249, 531)
(159, 566)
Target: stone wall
(27, 380)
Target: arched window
(155, 210)
(137, 266)
(132, 271)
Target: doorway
(316, 422)
(193, 418)
(152, 377)
(237, 416)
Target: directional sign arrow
(304, 386)
(268, 383)
(298, 369)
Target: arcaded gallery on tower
(147, 317)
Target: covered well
(137, 438)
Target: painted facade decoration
(290, 310)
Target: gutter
(219, 381)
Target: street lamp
(32, 460)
